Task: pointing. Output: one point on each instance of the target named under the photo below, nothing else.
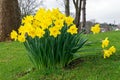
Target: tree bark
(9, 17)
(84, 15)
(67, 7)
(77, 4)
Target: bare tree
(67, 7)
(28, 7)
(78, 5)
(9, 17)
(83, 26)
(80, 8)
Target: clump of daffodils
(36, 26)
(50, 37)
(107, 52)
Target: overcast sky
(100, 10)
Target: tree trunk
(9, 17)
(67, 7)
(77, 4)
(84, 15)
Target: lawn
(15, 64)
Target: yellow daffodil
(39, 32)
(13, 35)
(112, 49)
(44, 25)
(54, 31)
(73, 30)
(61, 17)
(21, 38)
(107, 53)
(105, 42)
(55, 13)
(22, 30)
(32, 33)
(27, 19)
(36, 23)
(27, 27)
(59, 24)
(95, 29)
(69, 20)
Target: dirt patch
(21, 74)
(74, 63)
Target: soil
(74, 63)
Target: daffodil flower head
(95, 29)
(112, 49)
(69, 20)
(54, 31)
(72, 30)
(27, 19)
(32, 33)
(105, 42)
(39, 32)
(14, 35)
(107, 53)
(59, 23)
(21, 38)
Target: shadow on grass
(91, 58)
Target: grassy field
(15, 64)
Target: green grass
(14, 62)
